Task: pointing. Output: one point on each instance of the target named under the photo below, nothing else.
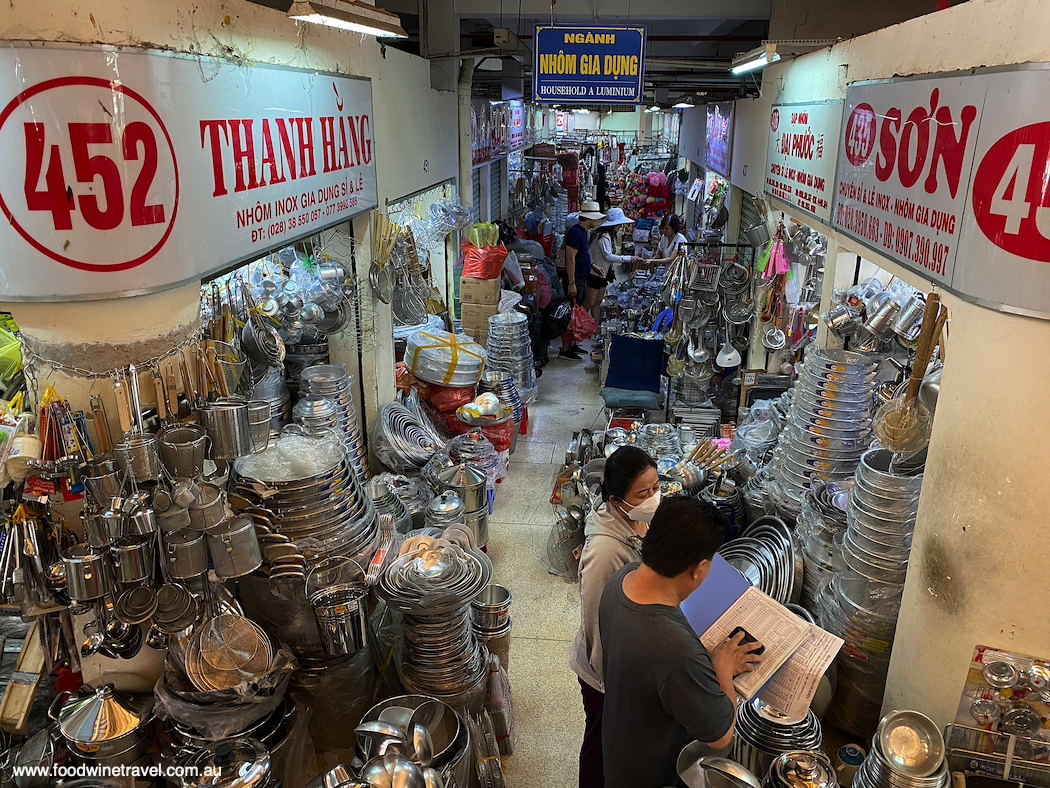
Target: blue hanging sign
(588, 65)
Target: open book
(796, 652)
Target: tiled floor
(545, 609)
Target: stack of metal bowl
(907, 751)
(769, 558)
(509, 349)
(433, 587)
(881, 519)
(725, 495)
(315, 413)
(444, 510)
(823, 518)
(386, 503)
(829, 425)
(333, 382)
(318, 498)
(443, 359)
(271, 388)
(502, 385)
(763, 733)
(401, 442)
(864, 614)
(661, 440)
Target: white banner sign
(124, 172)
(904, 162)
(800, 162)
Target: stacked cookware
(509, 349)
(829, 425)
(863, 600)
(333, 382)
(822, 519)
(769, 558)
(389, 505)
(471, 486)
(433, 585)
(763, 733)
(402, 443)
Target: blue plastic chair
(633, 379)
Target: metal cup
(186, 493)
(909, 321)
(259, 424)
(881, 323)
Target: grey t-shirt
(660, 690)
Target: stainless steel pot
(234, 547)
(231, 763)
(104, 480)
(259, 424)
(132, 557)
(469, 483)
(86, 574)
(94, 529)
(104, 725)
(185, 554)
(478, 523)
(227, 425)
(139, 457)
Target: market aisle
(545, 609)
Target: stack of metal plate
(444, 359)
(769, 558)
(326, 505)
(401, 441)
(907, 751)
(763, 733)
(509, 349)
(704, 421)
(333, 382)
(829, 425)
(433, 587)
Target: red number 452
(102, 214)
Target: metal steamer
(471, 486)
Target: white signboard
(800, 162)
(904, 161)
(719, 136)
(1004, 246)
(124, 172)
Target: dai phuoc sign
(588, 65)
(125, 171)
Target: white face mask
(645, 511)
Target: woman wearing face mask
(631, 493)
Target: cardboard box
(474, 319)
(482, 292)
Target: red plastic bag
(581, 325)
(448, 398)
(483, 262)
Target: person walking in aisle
(603, 260)
(671, 240)
(578, 265)
(662, 688)
(630, 495)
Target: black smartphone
(748, 638)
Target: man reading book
(662, 688)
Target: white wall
(692, 137)
(620, 121)
(750, 133)
(978, 565)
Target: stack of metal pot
(471, 485)
(763, 733)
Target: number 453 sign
(947, 175)
(123, 172)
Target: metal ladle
(698, 352)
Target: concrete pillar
(978, 571)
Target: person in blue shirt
(578, 264)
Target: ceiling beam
(621, 10)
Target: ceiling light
(756, 58)
(684, 105)
(351, 15)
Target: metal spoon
(376, 774)
(93, 633)
(407, 775)
(422, 745)
(433, 778)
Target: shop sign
(905, 153)
(588, 64)
(123, 172)
(719, 136)
(517, 124)
(480, 136)
(800, 162)
(946, 175)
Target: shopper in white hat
(578, 264)
(603, 259)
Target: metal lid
(462, 476)
(103, 716)
(231, 763)
(800, 769)
(446, 503)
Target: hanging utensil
(98, 416)
(187, 381)
(698, 351)
(904, 425)
(136, 404)
(158, 390)
(172, 391)
(123, 406)
(728, 356)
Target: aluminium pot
(231, 763)
(105, 726)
